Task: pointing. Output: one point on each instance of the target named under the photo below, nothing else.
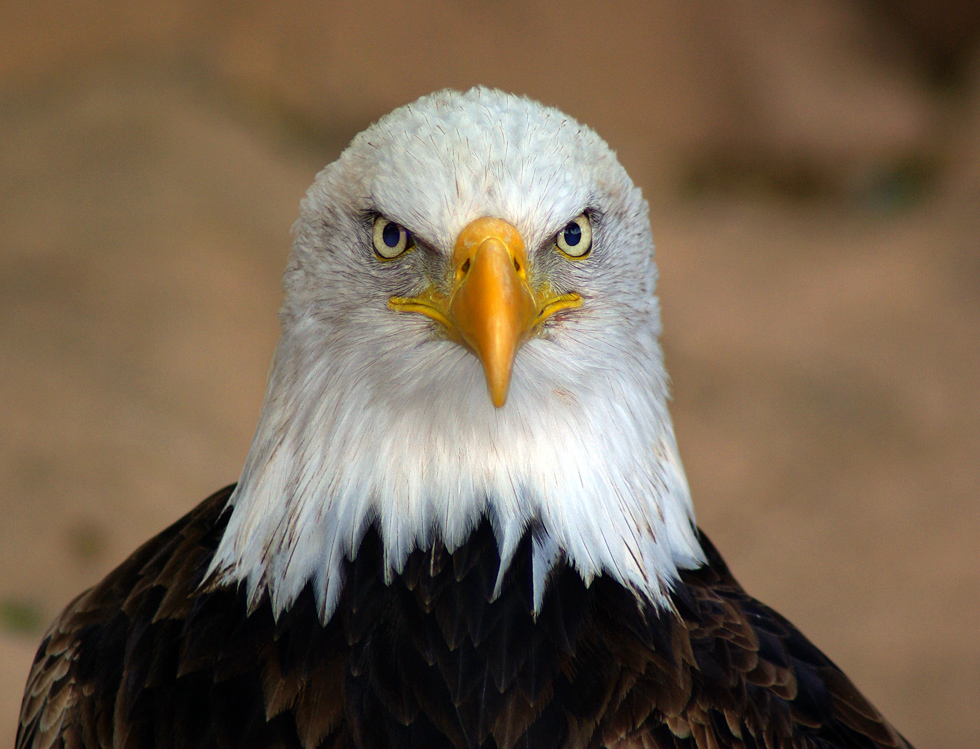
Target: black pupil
(391, 235)
(573, 234)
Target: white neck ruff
(598, 472)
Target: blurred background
(813, 172)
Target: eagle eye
(390, 239)
(575, 240)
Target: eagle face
(432, 171)
(469, 330)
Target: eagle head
(469, 331)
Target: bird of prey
(462, 521)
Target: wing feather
(755, 679)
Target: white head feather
(372, 416)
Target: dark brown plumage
(150, 657)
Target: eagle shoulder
(743, 675)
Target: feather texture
(150, 657)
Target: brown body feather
(148, 658)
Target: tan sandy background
(813, 170)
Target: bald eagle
(463, 521)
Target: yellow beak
(491, 306)
(491, 309)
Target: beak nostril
(517, 265)
(465, 267)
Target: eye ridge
(574, 241)
(391, 240)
